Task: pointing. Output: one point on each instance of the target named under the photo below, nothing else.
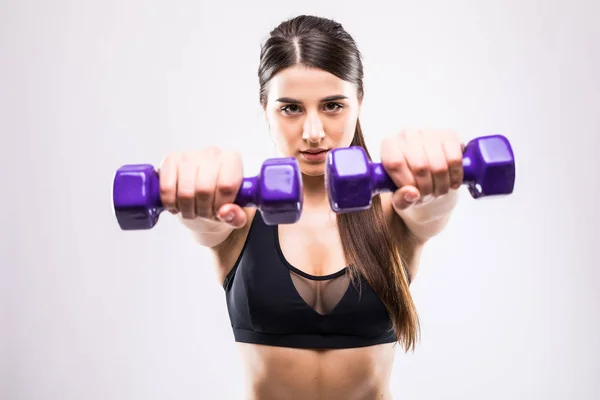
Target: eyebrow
(330, 98)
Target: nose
(313, 129)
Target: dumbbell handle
(383, 183)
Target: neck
(315, 193)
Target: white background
(508, 294)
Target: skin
(425, 164)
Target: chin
(313, 173)
(312, 169)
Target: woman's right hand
(202, 185)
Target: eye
(290, 109)
(333, 106)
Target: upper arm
(226, 253)
(410, 245)
(418, 225)
(224, 242)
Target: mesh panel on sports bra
(321, 295)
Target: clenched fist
(203, 184)
(424, 164)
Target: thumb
(405, 197)
(233, 215)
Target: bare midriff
(280, 373)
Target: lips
(314, 155)
(314, 151)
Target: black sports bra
(271, 302)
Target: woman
(317, 306)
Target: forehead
(308, 84)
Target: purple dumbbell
(352, 179)
(276, 191)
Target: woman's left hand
(424, 165)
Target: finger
(167, 178)
(229, 180)
(405, 197)
(232, 214)
(433, 144)
(419, 162)
(453, 149)
(206, 182)
(394, 161)
(186, 179)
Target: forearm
(207, 233)
(428, 219)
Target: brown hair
(369, 247)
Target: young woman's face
(310, 111)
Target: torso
(279, 373)
(288, 373)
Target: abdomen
(281, 373)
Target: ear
(361, 98)
(266, 116)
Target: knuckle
(186, 157)
(426, 188)
(403, 135)
(203, 188)
(429, 133)
(406, 132)
(230, 159)
(237, 157)
(168, 200)
(427, 191)
(455, 162)
(211, 151)
(426, 184)
(420, 169)
(185, 193)
(440, 171)
(203, 193)
(455, 174)
(395, 164)
(227, 189)
(167, 192)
